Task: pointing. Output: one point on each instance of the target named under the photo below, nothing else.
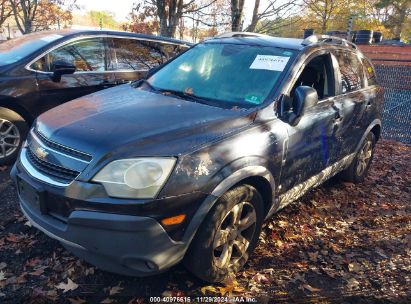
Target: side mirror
(61, 67)
(304, 98)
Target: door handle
(337, 118)
(369, 104)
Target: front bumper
(126, 244)
(115, 243)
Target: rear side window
(172, 50)
(369, 73)
(351, 70)
(138, 55)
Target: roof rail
(327, 39)
(239, 34)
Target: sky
(122, 8)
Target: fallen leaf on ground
(310, 288)
(206, 289)
(115, 290)
(67, 287)
(76, 301)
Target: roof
(76, 32)
(286, 43)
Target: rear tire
(13, 131)
(359, 167)
(227, 236)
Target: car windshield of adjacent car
(226, 75)
(16, 49)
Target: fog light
(178, 219)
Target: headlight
(135, 178)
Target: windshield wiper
(139, 82)
(187, 96)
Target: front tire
(359, 167)
(13, 131)
(227, 236)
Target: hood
(134, 122)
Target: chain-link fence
(395, 77)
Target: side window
(172, 50)
(85, 55)
(352, 73)
(134, 54)
(369, 72)
(318, 73)
(40, 65)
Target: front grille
(58, 173)
(64, 149)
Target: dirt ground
(340, 243)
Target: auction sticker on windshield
(269, 62)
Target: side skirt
(299, 190)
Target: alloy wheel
(9, 138)
(234, 236)
(364, 157)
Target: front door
(311, 143)
(89, 57)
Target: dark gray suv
(186, 164)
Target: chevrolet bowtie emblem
(41, 153)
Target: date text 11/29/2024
(205, 299)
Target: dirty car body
(211, 146)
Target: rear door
(132, 58)
(352, 101)
(89, 56)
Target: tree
(24, 13)
(237, 11)
(398, 13)
(35, 15)
(103, 18)
(273, 8)
(209, 21)
(323, 11)
(143, 19)
(5, 11)
(170, 12)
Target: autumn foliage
(340, 243)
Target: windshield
(13, 50)
(231, 74)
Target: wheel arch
(257, 176)
(374, 127)
(13, 104)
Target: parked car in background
(186, 164)
(42, 70)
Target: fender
(220, 189)
(14, 104)
(375, 122)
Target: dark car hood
(131, 122)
